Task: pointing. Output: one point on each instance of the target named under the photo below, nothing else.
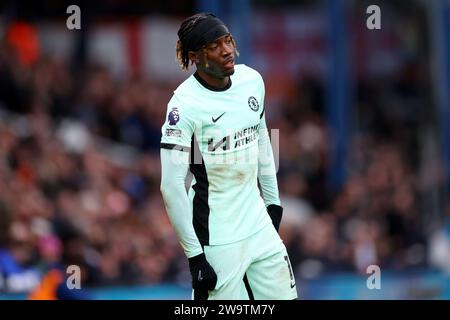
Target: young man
(215, 126)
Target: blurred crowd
(80, 174)
(70, 194)
(375, 218)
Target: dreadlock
(185, 29)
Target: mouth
(229, 63)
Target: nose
(227, 49)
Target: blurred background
(364, 126)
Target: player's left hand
(275, 213)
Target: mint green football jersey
(220, 129)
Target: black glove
(204, 277)
(275, 213)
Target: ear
(194, 57)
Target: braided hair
(186, 27)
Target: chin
(229, 72)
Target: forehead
(222, 38)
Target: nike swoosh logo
(200, 278)
(215, 120)
(292, 285)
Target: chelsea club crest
(253, 103)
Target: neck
(218, 83)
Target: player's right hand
(204, 277)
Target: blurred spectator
(22, 36)
(439, 254)
(16, 253)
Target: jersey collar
(209, 87)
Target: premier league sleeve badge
(174, 117)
